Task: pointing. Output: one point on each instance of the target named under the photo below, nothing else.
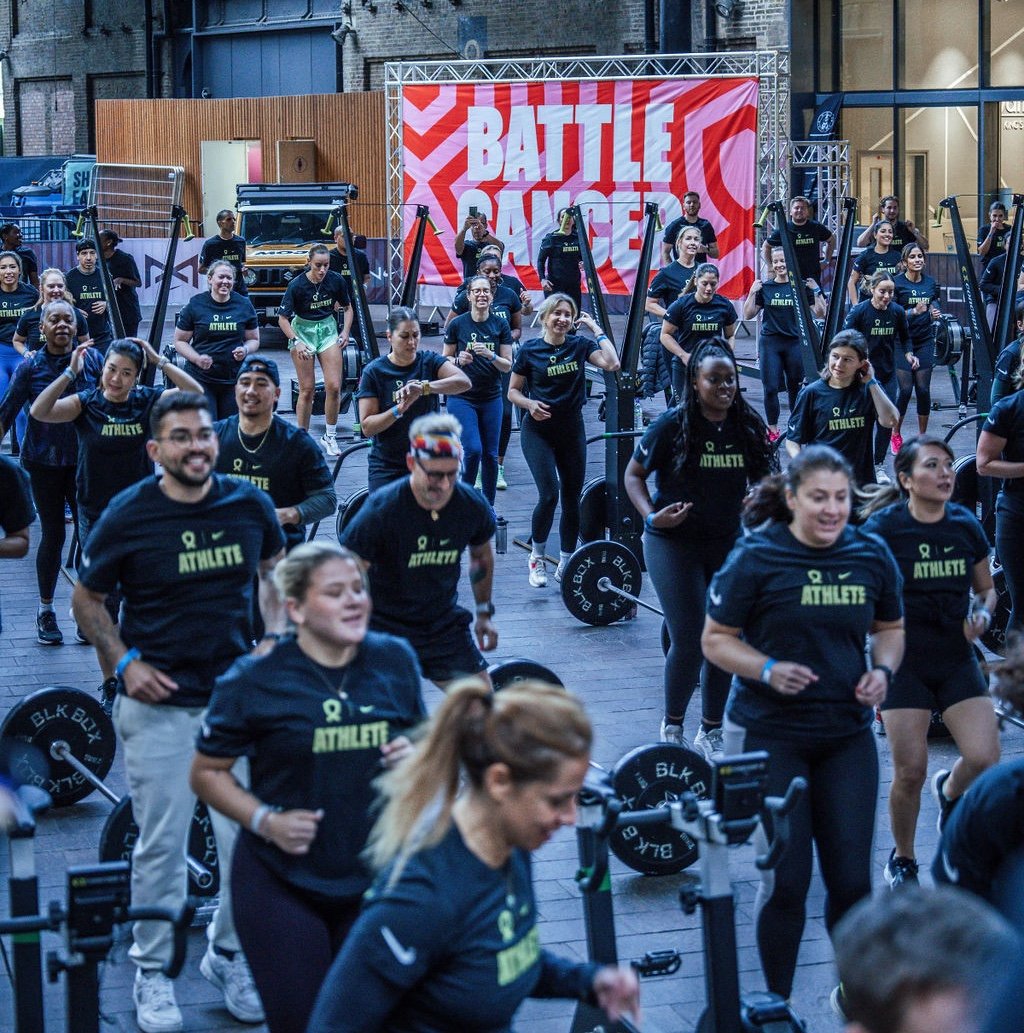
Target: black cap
(86, 244)
(258, 364)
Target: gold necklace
(253, 451)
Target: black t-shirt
(714, 478)
(450, 945)
(339, 264)
(505, 304)
(87, 288)
(29, 328)
(314, 301)
(983, 830)
(908, 295)
(1007, 364)
(381, 379)
(217, 329)
(886, 331)
(992, 278)
(778, 307)
(216, 249)
(415, 560)
(937, 561)
(669, 283)
(121, 265)
(112, 445)
(13, 305)
(493, 332)
(1006, 420)
(471, 249)
(285, 463)
(559, 260)
(554, 375)
(313, 735)
(998, 245)
(808, 606)
(807, 241)
(869, 261)
(843, 418)
(696, 321)
(513, 283)
(186, 571)
(707, 234)
(29, 262)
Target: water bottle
(501, 536)
(638, 415)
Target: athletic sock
(45, 607)
(563, 557)
(710, 726)
(538, 549)
(331, 429)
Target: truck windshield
(284, 227)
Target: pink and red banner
(519, 152)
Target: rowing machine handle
(780, 811)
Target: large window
(866, 42)
(1007, 42)
(938, 44)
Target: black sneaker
(900, 872)
(945, 804)
(108, 690)
(47, 631)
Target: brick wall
(59, 60)
(758, 25)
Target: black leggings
(220, 396)
(506, 417)
(837, 816)
(918, 382)
(1010, 549)
(556, 453)
(680, 573)
(270, 914)
(780, 362)
(52, 487)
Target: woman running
(28, 336)
(884, 326)
(318, 717)
(943, 555)
(215, 330)
(403, 383)
(788, 615)
(307, 318)
(704, 454)
(480, 343)
(778, 344)
(16, 298)
(917, 294)
(842, 408)
(549, 384)
(447, 941)
(671, 281)
(700, 313)
(880, 257)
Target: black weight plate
(349, 508)
(593, 510)
(949, 340)
(40, 719)
(510, 671)
(965, 492)
(648, 777)
(117, 841)
(994, 638)
(586, 567)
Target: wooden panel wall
(348, 128)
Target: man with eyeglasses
(185, 550)
(412, 533)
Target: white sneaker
(538, 573)
(232, 977)
(673, 733)
(711, 744)
(156, 1010)
(881, 476)
(329, 443)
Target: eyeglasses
(184, 437)
(438, 476)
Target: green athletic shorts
(316, 334)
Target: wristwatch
(485, 609)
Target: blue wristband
(122, 664)
(396, 412)
(766, 671)
(649, 519)
(873, 382)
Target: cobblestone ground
(616, 670)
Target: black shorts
(935, 686)
(450, 652)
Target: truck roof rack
(296, 193)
